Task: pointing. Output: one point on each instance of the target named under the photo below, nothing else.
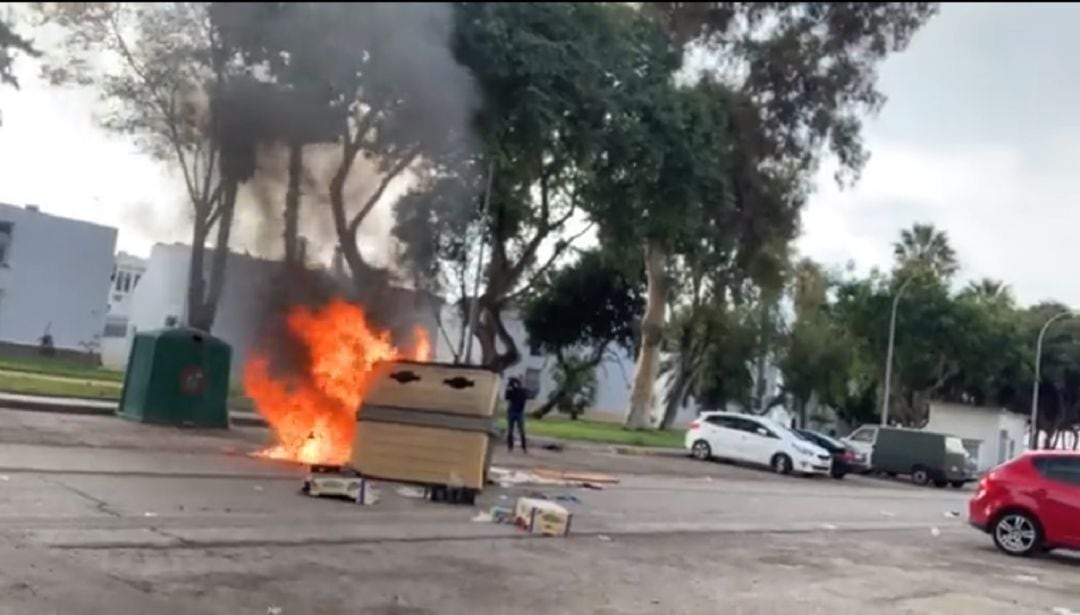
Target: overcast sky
(979, 136)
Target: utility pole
(889, 353)
(1034, 444)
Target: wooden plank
(435, 388)
(416, 454)
(583, 477)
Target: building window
(5, 241)
(532, 381)
(116, 327)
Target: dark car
(1031, 503)
(844, 459)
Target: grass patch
(584, 430)
(59, 367)
(28, 384)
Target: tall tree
(164, 77)
(797, 77)
(11, 44)
(578, 315)
(923, 247)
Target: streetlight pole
(1034, 444)
(889, 352)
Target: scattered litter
(552, 446)
(257, 488)
(1027, 578)
(501, 514)
(542, 517)
(536, 495)
(935, 532)
(593, 486)
(274, 610)
(149, 514)
(483, 517)
(410, 492)
(504, 497)
(828, 526)
(708, 479)
(4, 477)
(952, 513)
(603, 537)
(576, 477)
(1060, 610)
(567, 497)
(886, 513)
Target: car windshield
(955, 445)
(820, 438)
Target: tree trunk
(652, 326)
(219, 257)
(678, 393)
(292, 204)
(196, 281)
(549, 405)
(490, 332)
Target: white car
(756, 440)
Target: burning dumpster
(427, 423)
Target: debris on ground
(337, 482)
(411, 492)
(603, 537)
(149, 514)
(552, 446)
(505, 477)
(1060, 610)
(567, 497)
(935, 532)
(257, 488)
(886, 513)
(501, 514)
(483, 517)
(542, 517)
(828, 526)
(4, 477)
(951, 513)
(274, 610)
(1027, 578)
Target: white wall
(248, 286)
(56, 275)
(127, 274)
(981, 423)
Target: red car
(1031, 504)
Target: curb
(56, 406)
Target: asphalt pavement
(103, 515)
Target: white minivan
(757, 440)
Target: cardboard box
(353, 488)
(542, 517)
(427, 423)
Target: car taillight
(695, 424)
(847, 456)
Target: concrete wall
(127, 274)
(55, 276)
(1001, 433)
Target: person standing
(516, 396)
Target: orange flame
(422, 343)
(313, 415)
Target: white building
(127, 272)
(1001, 434)
(159, 299)
(54, 275)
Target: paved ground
(101, 515)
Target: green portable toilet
(177, 377)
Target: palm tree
(924, 247)
(988, 291)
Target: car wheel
(920, 476)
(781, 464)
(957, 484)
(838, 475)
(1017, 533)
(701, 450)
(940, 483)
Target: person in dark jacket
(516, 396)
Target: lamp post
(1035, 387)
(889, 352)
